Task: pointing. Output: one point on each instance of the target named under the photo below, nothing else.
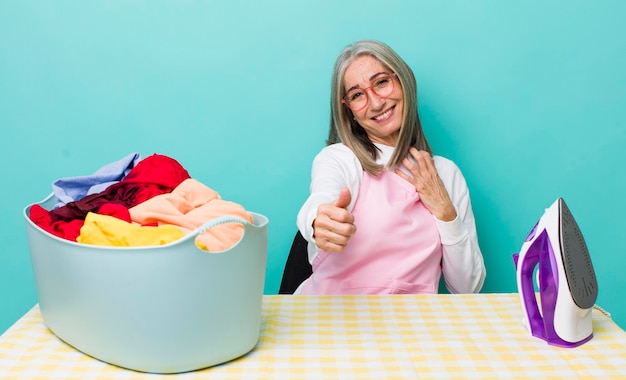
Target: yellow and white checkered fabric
(479, 336)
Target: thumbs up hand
(334, 224)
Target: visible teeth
(383, 116)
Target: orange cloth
(190, 205)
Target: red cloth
(118, 211)
(66, 230)
(71, 230)
(154, 175)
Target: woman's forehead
(363, 70)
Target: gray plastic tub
(166, 309)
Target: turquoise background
(528, 97)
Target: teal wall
(528, 97)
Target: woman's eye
(382, 82)
(355, 95)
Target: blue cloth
(74, 188)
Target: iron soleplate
(579, 272)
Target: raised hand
(423, 175)
(334, 224)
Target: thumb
(344, 198)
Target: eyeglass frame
(391, 76)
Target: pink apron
(396, 248)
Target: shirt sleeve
(463, 266)
(334, 168)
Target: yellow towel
(107, 230)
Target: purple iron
(566, 280)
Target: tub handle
(215, 222)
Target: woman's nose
(376, 101)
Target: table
(445, 336)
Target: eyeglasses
(357, 98)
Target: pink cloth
(396, 248)
(190, 205)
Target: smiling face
(382, 116)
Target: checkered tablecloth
(354, 337)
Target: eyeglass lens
(381, 86)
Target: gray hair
(343, 127)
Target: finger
(338, 222)
(344, 198)
(407, 169)
(418, 162)
(425, 161)
(336, 237)
(402, 174)
(331, 217)
(329, 246)
(410, 164)
(332, 240)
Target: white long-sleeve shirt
(336, 167)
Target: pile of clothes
(139, 202)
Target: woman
(385, 216)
